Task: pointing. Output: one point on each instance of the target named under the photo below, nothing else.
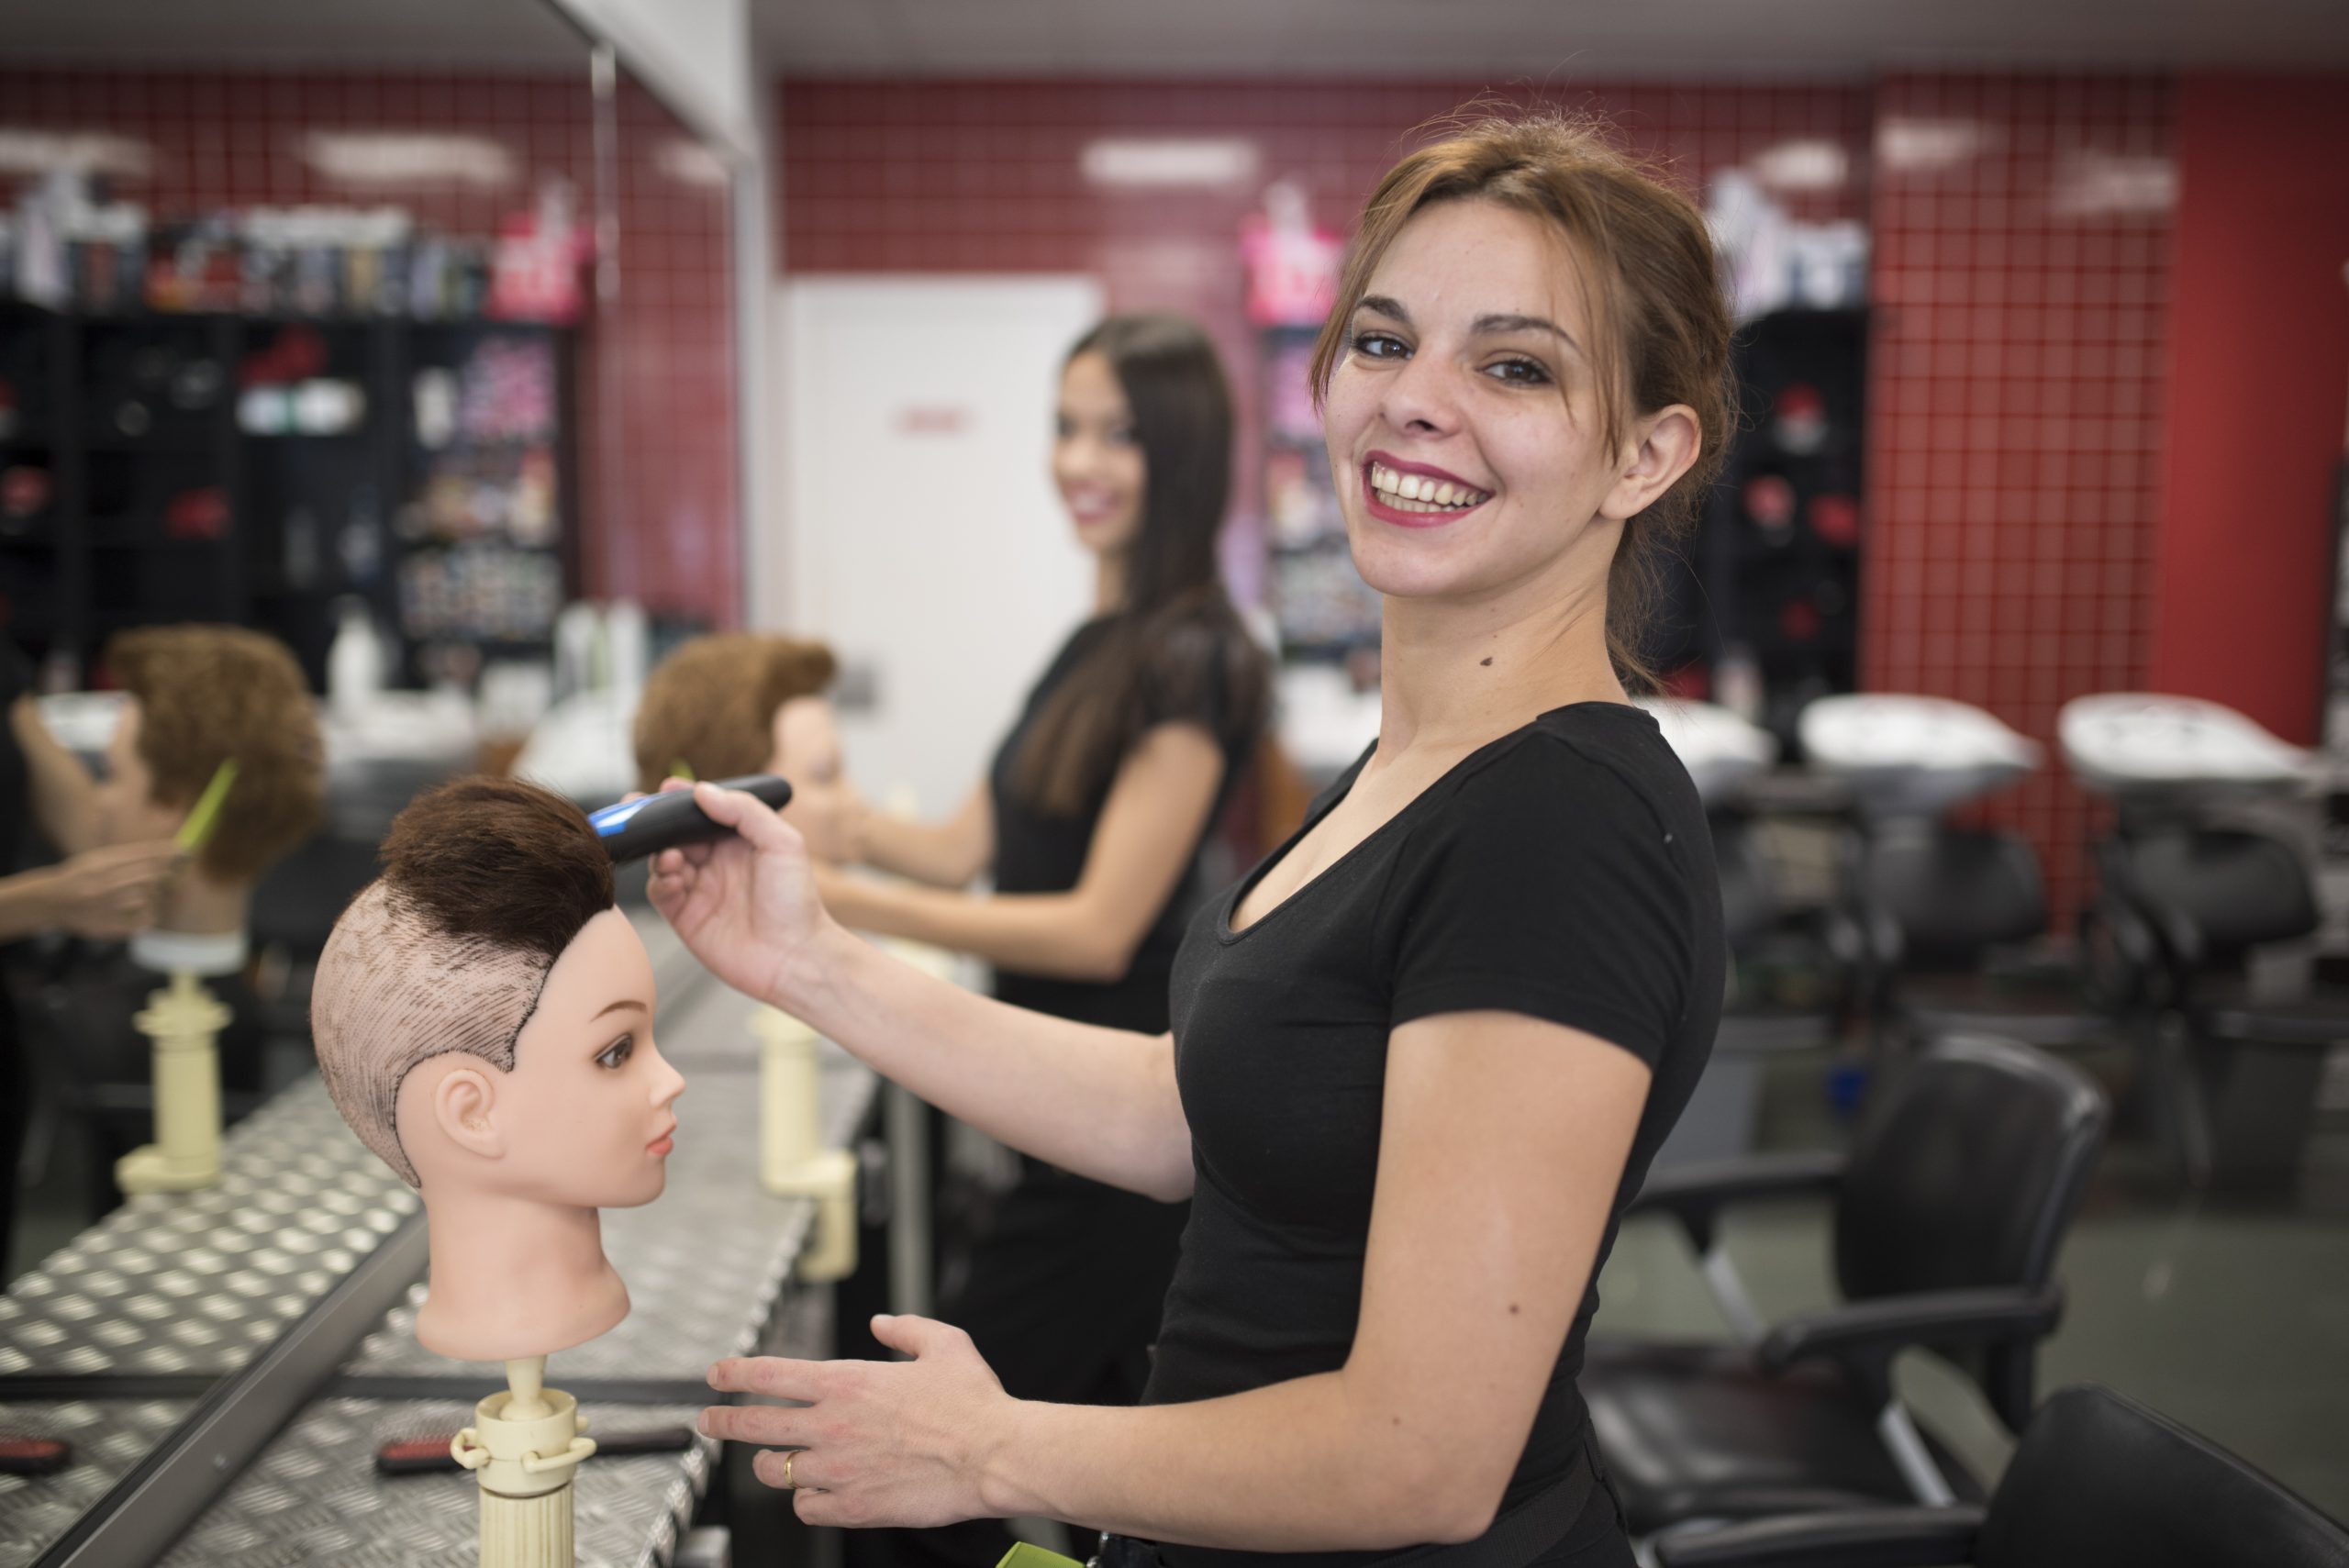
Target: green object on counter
(196, 832)
(1024, 1555)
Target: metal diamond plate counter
(313, 1495)
(199, 1282)
(109, 1437)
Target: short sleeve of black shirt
(1550, 888)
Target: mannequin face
(807, 742)
(1096, 457)
(583, 1118)
(128, 812)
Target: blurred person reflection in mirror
(1090, 821)
(195, 696)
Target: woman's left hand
(900, 1443)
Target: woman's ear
(464, 1104)
(1668, 441)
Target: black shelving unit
(1774, 566)
(1320, 604)
(159, 507)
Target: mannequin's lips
(662, 1145)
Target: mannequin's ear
(465, 1105)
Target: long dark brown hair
(1645, 260)
(1176, 645)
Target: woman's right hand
(108, 894)
(746, 904)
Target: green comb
(196, 832)
(681, 769)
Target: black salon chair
(1964, 1175)
(2234, 1072)
(1947, 914)
(2099, 1481)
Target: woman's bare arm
(951, 854)
(1157, 807)
(64, 797)
(1097, 1101)
(1504, 1141)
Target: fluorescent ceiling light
(26, 151)
(1924, 147)
(1808, 165)
(2112, 185)
(406, 158)
(690, 163)
(1162, 162)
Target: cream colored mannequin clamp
(792, 1161)
(524, 1446)
(183, 1021)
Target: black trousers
(1062, 1300)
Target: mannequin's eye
(615, 1056)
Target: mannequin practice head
(201, 694)
(484, 1019)
(738, 703)
(488, 886)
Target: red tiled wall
(661, 470)
(2022, 233)
(2254, 443)
(658, 503)
(986, 176)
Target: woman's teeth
(1418, 492)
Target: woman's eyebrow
(1511, 323)
(1391, 308)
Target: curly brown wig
(711, 704)
(209, 693)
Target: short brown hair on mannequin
(711, 704)
(485, 882)
(500, 860)
(208, 693)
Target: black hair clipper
(635, 828)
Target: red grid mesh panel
(2022, 230)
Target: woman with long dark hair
(1091, 821)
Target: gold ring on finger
(788, 1483)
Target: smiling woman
(1624, 316)
(1422, 1055)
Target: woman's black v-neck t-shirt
(1562, 871)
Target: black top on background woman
(1091, 816)
(1422, 1056)
(1091, 821)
